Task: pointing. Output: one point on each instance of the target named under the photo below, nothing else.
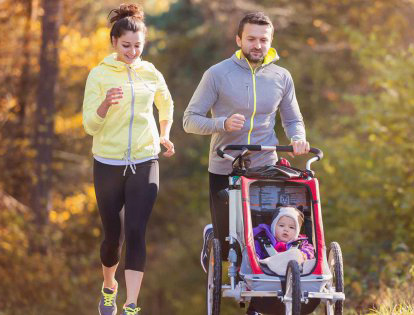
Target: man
(243, 93)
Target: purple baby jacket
(305, 246)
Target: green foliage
(368, 174)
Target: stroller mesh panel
(266, 196)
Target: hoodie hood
(112, 62)
(270, 57)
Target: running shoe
(207, 237)
(107, 304)
(130, 309)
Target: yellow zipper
(254, 102)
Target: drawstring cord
(142, 80)
(128, 162)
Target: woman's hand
(168, 145)
(112, 97)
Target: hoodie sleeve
(93, 98)
(290, 115)
(162, 99)
(195, 116)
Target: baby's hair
(128, 17)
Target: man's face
(255, 41)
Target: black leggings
(137, 192)
(219, 211)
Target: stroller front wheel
(214, 271)
(292, 298)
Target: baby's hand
(302, 258)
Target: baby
(282, 235)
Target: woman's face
(129, 46)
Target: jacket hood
(270, 57)
(112, 62)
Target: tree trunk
(25, 77)
(44, 115)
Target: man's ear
(238, 40)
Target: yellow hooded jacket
(129, 130)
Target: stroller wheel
(292, 298)
(337, 283)
(214, 278)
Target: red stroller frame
(313, 186)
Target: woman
(118, 113)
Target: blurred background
(353, 66)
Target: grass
(398, 300)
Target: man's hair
(258, 18)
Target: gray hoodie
(231, 87)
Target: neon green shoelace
(109, 298)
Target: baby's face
(285, 229)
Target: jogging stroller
(253, 196)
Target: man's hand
(300, 147)
(234, 123)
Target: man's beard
(252, 59)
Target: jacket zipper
(254, 103)
(132, 114)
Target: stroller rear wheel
(337, 283)
(214, 278)
(292, 298)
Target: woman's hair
(128, 17)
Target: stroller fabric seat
(278, 262)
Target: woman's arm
(165, 127)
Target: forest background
(353, 66)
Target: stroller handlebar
(254, 147)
